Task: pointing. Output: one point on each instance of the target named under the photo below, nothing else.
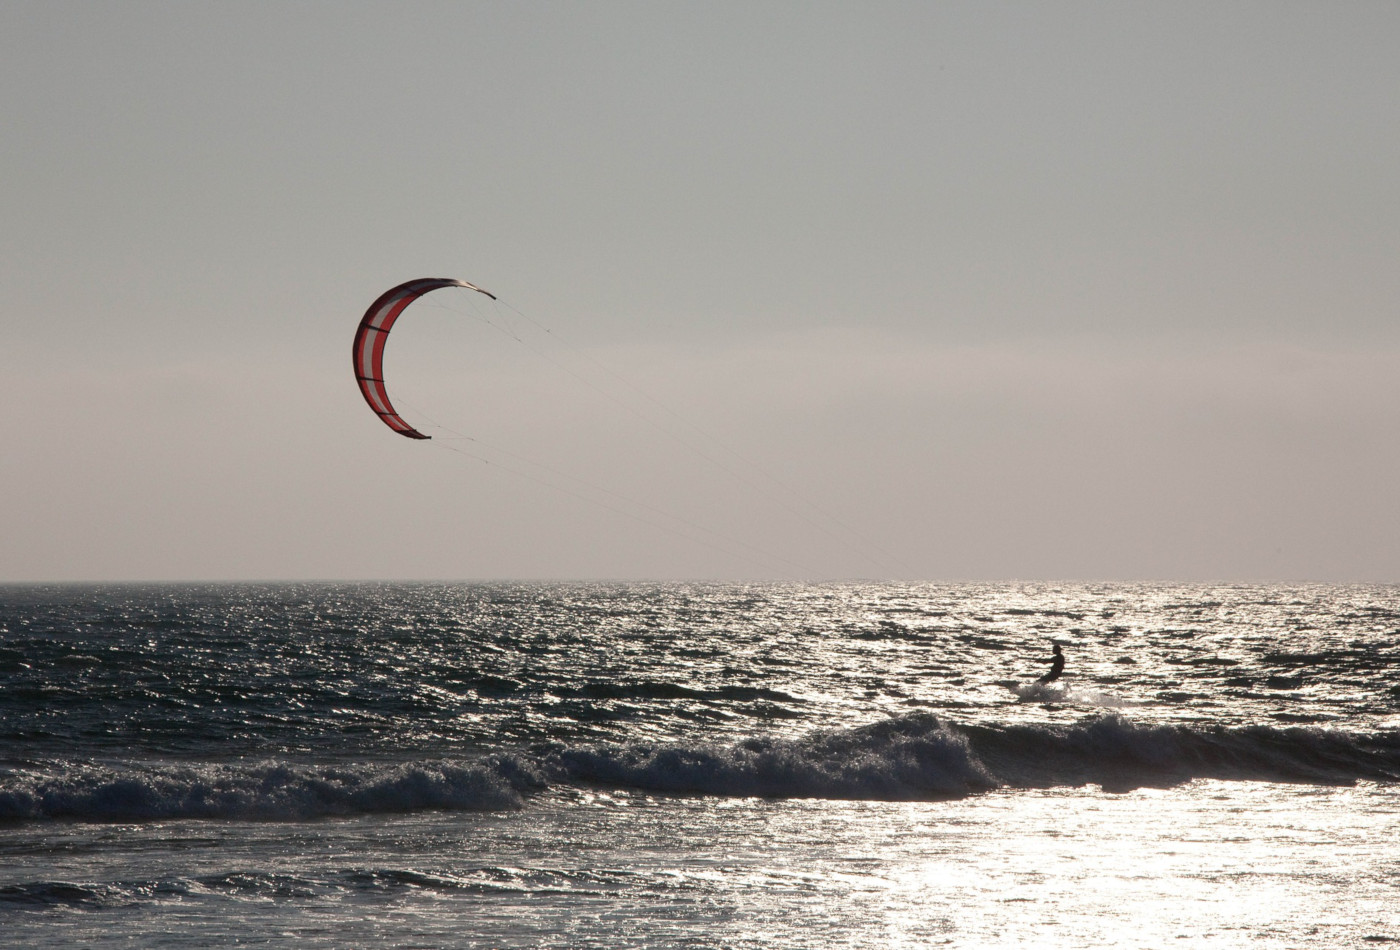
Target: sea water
(667, 765)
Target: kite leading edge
(373, 333)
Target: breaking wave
(265, 791)
(916, 757)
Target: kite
(373, 333)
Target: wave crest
(268, 791)
(915, 757)
(910, 758)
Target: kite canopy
(373, 333)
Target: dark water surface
(612, 765)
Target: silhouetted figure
(1057, 666)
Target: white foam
(1069, 695)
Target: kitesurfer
(1057, 666)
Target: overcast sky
(1058, 291)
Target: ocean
(861, 765)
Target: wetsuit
(1057, 666)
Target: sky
(1069, 291)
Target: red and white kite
(373, 333)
